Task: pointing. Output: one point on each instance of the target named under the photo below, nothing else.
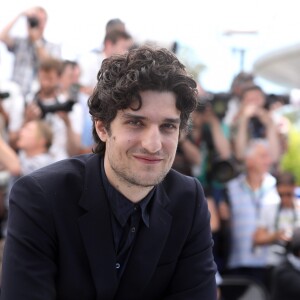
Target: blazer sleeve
(194, 277)
(29, 268)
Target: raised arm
(5, 36)
(9, 158)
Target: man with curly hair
(118, 223)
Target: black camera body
(217, 101)
(4, 95)
(256, 128)
(33, 22)
(224, 170)
(53, 108)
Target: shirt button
(133, 229)
(118, 266)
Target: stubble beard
(137, 180)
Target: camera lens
(33, 22)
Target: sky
(198, 26)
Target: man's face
(120, 47)
(141, 144)
(286, 193)
(254, 97)
(41, 16)
(49, 81)
(260, 160)
(67, 77)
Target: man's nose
(151, 139)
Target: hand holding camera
(249, 111)
(4, 95)
(34, 25)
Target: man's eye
(169, 126)
(135, 123)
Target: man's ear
(101, 130)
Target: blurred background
(217, 39)
(244, 134)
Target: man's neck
(132, 192)
(254, 180)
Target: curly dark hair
(122, 77)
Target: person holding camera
(64, 115)
(254, 121)
(240, 82)
(28, 51)
(277, 221)
(286, 276)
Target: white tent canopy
(281, 66)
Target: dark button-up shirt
(125, 219)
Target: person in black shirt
(118, 223)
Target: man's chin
(148, 182)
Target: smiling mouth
(148, 159)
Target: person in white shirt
(64, 116)
(30, 50)
(115, 42)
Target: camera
(224, 170)
(257, 129)
(53, 108)
(217, 101)
(4, 95)
(33, 22)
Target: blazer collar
(95, 228)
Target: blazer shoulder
(70, 170)
(184, 181)
(182, 186)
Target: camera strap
(279, 210)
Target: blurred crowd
(242, 146)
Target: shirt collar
(121, 206)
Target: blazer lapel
(147, 249)
(95, 227)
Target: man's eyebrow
(172, 120)
(139, 117)
(132, 116)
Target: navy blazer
(59, 243)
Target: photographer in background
(254, 121)
(62, 113)
(28, 51)
(212, 139)
(277, 221)
(240, 82)
(69, 79)
(286, 277)
(198, 152)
